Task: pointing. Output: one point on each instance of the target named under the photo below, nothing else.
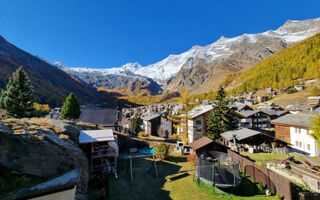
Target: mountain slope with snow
(213, 61)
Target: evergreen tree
(221, 118)
(135, 124)
(71, 108)
(1, 99)
(17, 100)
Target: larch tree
(221, 118)
(17, 99)
(71, 108)
(316, 128)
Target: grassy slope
(300, 61)
(175, 181)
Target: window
(300, 145)
(198, 122)
(297, 143)
(308, 132)
(297, 130)
(308, 147)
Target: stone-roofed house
(151, 123)
(252, 119)
(106, 117)
(240, 108)
(257, 118)
(295, 129)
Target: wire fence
(218, 169)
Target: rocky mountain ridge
(206, 67)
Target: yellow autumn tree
(316, 128)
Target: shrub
(163, 150)
(143, 134)
(291, 91)
(192, 158)
(41, 109)
(174, 136)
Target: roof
(63, 182)
(300, 119)
(199, 143)
(271, 112)
(102, 116)
(240, 107)
(150, 116)
(299, 107)
(199, 110)
(88, 136)
(248, 113)
(241, 133)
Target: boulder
(66, 128)
(47, 156)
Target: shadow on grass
(246, 188)
(179, 176)
(176, 159)
(145, 184)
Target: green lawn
(175, 181)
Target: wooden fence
(275, 182)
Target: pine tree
(71, 108)
(221, 118)
(135, 124)
(1, 99)
(17, 100)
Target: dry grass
(63, 136)
(34, 126)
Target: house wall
(145, 127)
(166, 127)
(282, 133)
(154, 126)
(302, 141)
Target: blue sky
(110, 33)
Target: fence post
(131, 168)
(213, 174)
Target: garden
(176, 180)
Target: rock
(48, 157)
(67, 129)
(4, 128)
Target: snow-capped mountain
(290, 32)
(129, 67)
(245, 51)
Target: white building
(197, 120)
(295, 130)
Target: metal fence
(217, 169)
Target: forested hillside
(300, 61)
(51, 85)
